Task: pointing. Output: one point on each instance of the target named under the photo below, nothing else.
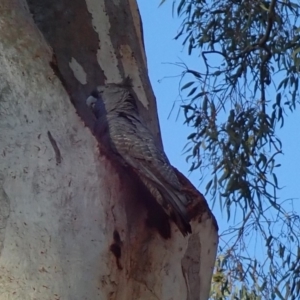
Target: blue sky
(162, 50)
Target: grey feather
(117, 114)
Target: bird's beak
(90, 101)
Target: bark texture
(72, 224)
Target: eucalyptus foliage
(249, 50)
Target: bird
(121, 128)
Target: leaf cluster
(250, 60)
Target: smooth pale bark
(64, 206)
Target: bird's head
(92, 99)
(112, 95)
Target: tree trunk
(72, 225)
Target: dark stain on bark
(116, 247)
(143, 208)
(58, 157)
(156, 217)
(4, 211)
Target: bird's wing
(137, 146)
(135, 139)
